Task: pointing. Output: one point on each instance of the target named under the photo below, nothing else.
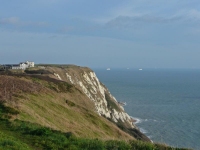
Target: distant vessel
(108, 69)
(140, 69)
(122, 103)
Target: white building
(27, 64)
(30, 63)
(22, 65)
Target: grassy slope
(19, 135)
(53, 104)
(43, 102)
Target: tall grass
(20, 135)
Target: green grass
(11, 143)
(21, 135)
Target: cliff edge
(67, 98)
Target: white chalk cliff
(105, 104)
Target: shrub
(8, 110)
(40, 132)
(70, 103)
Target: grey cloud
(15, 21)
(193, 15)
(38, 24)
(67, 29)
(131, 21)
(11, 20)
(53, 36)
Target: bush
(70, 103)
(8, 110)
(40, 132)
(64, 87)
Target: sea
(165, 102)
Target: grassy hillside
(55, 104)
(37, 111)
(22, 135)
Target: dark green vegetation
(20, 135)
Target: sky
(101, 33)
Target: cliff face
(86, 80)
(105, 104)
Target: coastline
(135, 121)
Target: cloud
(15, 21)
(11, 20)
(66, 29)
(194, 31)
(193, 15)
(127, 21)
(36, 24)
(188, 16)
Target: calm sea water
(165, 102)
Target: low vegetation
(20, 135)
